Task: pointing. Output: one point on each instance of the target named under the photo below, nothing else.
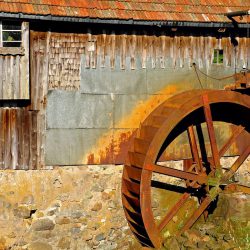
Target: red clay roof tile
(145, 10)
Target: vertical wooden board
(144, 50)
(41, 135)
(94, 53)
(33, 44)
(26, 140)
(202, 51)
(163, 50)
(5, 78)
(24, 63)
(38, 140)
(210, 50)
(33, 137)
(19, 138)
(248, 51)
(45, 76)
(174, 51)
(102, 49)
(244, 52)
(14, 144)
(7, 141)
(1, 140)
(11, 76)
(124, 42)
(133, 51)
(1, 77)
(182, 51)
(16, 77)
(112, 55)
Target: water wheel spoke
(194, 147)
(229, 174)
(211, 132)
(169, 187)
(202, 179)
(236, 133)
(238, 188)
(173, 211)
(197, 213)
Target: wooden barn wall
(90, 92)
(14, 69)
(23, 123)
(142, 51)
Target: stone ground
(63, 208)
(80, 208)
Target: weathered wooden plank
(112, 50)
(7, 139)
(16, 77)
(24, 63)
(26, 139)
(1, 141)
(14, 144)
(20, 140)
(33, 140)
(1, 76)
(12, 51)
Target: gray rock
(100, 237)
(43, 224)
(77, 214)
(75, 230)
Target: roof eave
(158, 23)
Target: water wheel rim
(136, 194)
(188, 107)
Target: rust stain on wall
(112, 147)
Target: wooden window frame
(217, 53)
(11, 50)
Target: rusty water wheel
(183, 112)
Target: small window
(11, 34)
(218, 56)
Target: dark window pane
(218, 56)
(10, 25)
(13, 44)
(11, 36)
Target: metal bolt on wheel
(195, 113)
